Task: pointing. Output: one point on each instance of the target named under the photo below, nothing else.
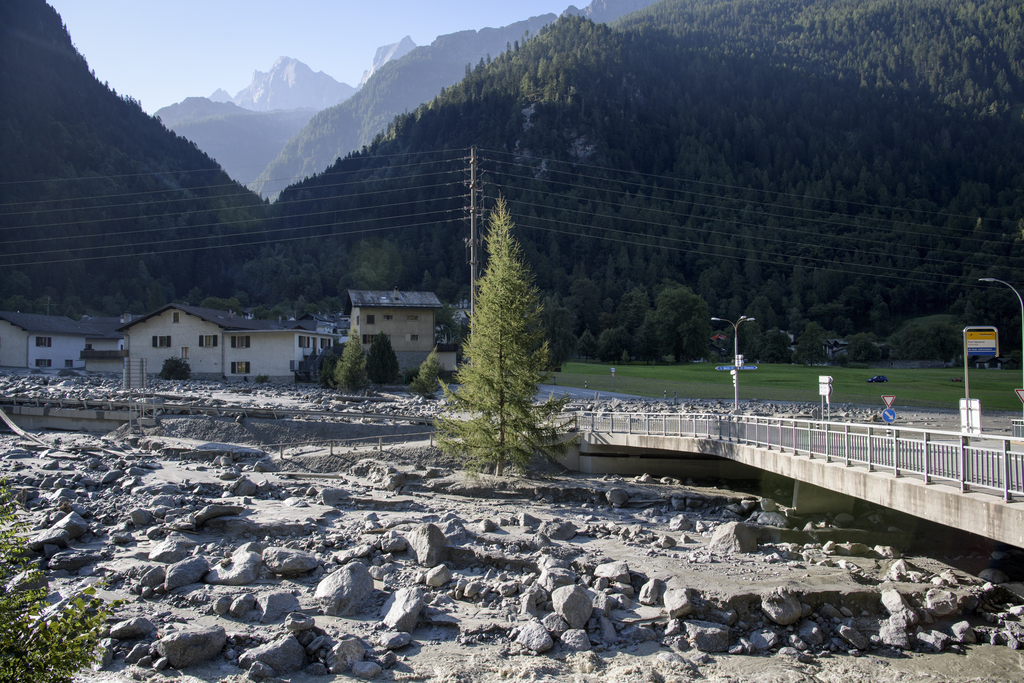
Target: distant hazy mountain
(220, 95)
(385, 54)
(290, 84)
(401, 85)
(243, 142)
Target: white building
(47, 342)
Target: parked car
(878, 378)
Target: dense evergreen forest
(836, 166)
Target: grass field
(931, 388)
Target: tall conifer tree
(506, 357)
(350, 372)
(382, 364)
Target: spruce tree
(382, 363)
(492, 421)
(350, 372)
(425, 383)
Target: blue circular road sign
(889, 415)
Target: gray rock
(941, 603)
(853, 637)
(171, 550)
(896, 605)
(575, 640)
(297, 621)
(244, 487)
(993, 575)
(213, 511)
(680, 523)
(810, 633)
(73, 524)
(185, 572)
(138, 651)
(55, 536)
(240, 569)
(242, 605)
(428, 545)
(438, 576)
(558, 530)
(139, 627)
(893, 632)
(734, 537)
(153, 577)
(677, 603)
(192, 645)
(341, 593)
(533, 636)
(140, 517)
(277, 604)
(555, 624)
(613, 571)
(707, 636)
(617, 497)
(258, 671)
(555, 577)
(933, 640)
(764, 639)
(781, 606)
(284, 655)
(332, 496)
(393, 641)
(347, 652)
(289, 562)
(73, 560)
(222, 605)
(963, 632)
(366, 670)
(402, 609)
(573, 603)
(651, 592)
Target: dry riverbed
(238, 559)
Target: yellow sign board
(981, 341)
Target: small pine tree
(40, 641)
(587, 345)
(506, 358)
(382, 363)
(175, 368)
(350, 372)
(325, 375)
(425, 383)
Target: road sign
(726, 367)
(970, 416)
(889, 415)
(888, 401)
(747, 367)
(824, 385)
(981, 341)
(613, 371)
(1020, 394)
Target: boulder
(130, 629)
(57, 537)
(213, 511)
(332, 496)
(341, 593)
(651, 592)
(558, 530)
(289, 562)
(734, 537)
(278, 604)
(428, 544)
(402, 610)
(242, 605)
(781, 606)
(533, 636)
(573, 603)
(244, 487)
(73, 560)
(140, 517)
(617, 497)
(854, 637)
(187, 571)
(347, 652)
(171, 550)
(575, 640)
(240, 569)
(677, 603)
(613, 571)
(893, 632)
(284, 655)
(707, 636)
(993, 575)
(366, 670)
(192, 645)
(73, 524)
(438, 576)
(941, 603)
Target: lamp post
(736, 357)
(1021, 300)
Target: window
(389, 317)
(207, 340)
(323, 342)
(174, 317)
(412, 317)
(367, 338)
(240, 367)
(42, 362)
(369, 318)
(184, 352)
(88, 347)
(414, 337)
(161, 342)
(303, 342)
(68, 363)
(240, 341)
(44, 341)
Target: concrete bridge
(971, 483)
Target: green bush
(262, 379)
(40, 641)
(176, 368)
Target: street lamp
(992, 279)
(736, 357)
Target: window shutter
(215, 341)
(234, 342)
(200, 340)
(154, 341)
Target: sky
(162, 52)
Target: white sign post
(970, 416)
(825, 391)
(613, 379)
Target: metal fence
(986, 463)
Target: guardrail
(986, 463)
(1018, 428)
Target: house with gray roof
(33, 340)
(406, 317)
(221, 345)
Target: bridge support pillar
(810, 499)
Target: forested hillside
(830, 165)
(101, 207)
(852, 164)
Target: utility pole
(473, 241)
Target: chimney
(396, 293)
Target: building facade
(46, 342)
(406, 317)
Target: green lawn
(924, 388)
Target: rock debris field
(236, 558)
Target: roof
(227, 320)
(104, 327)
(393, 298)
(52, 324)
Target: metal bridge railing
(985, 463)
